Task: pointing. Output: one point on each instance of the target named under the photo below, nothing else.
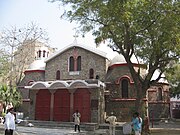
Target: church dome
(37, 65)
(119, 59)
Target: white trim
(48, 85)
(94, 50)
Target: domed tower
(33, 73)
(120, 91)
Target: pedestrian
(76, 117)
(146, 126)
(112, 123)
(137, 123)
(9, 123)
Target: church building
(83, 78)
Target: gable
(88, 48)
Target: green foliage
(10, 95)
(149, 29)
(4, 64)
(144, 28)
(173, 76)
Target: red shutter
(82, 104)
(42, 109)
(62, 105)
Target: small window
(91, 73)
(79, 63)
(44, 53)
(124, 88)
(58, 75)
(39, 54)
(159, 94)
(71, 64)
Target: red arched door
(42, 108)
(62, 105)
(82, 104)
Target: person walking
(137, 123)
(9, 122)
(76, 117)
(112, 123)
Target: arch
(39, 85)
(78, 83)
(58, 85)
(118, 80)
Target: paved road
(21, 130)
(171, 128)
(45, 131)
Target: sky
(46, 15)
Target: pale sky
(47, 16)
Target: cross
(75, 36)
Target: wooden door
(61, 105)
(82, 104)
(42, 108)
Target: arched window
(39, 54)
(79, 63)
(124, 88)
(159, 94)
(91, 73)
(71, 63)
(58, 75)
(44, 53)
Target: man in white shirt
(76, 117)
(9, 122)
(112, 122)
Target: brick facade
(88, 60)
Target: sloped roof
(91, 49)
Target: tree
(12, 40)
(4, 64)
(173, 76)
(144, 28)
(9, 95)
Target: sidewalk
(165, 128)
(159, 128)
